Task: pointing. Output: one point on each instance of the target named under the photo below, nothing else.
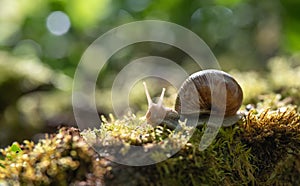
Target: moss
(252, 152)
(58, 159)
(272, 136)
(260, 149)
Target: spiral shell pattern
(195, 94)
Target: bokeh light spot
(58, 23)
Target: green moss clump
(254, 151)
(129, 130)
(273, 136)
(60, 159)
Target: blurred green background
(41, 43)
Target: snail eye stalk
(161, 99)
(150, 102)
(147, 95)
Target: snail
(195, 98)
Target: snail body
(204, 93)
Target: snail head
(156, 112)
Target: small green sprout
(14, 151)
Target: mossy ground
(261, 149)
(255, 151)
(60, 159)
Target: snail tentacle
(147, 94)
(156, 112)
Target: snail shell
(195, 94)
(195, 97)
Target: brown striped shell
(196, 93)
